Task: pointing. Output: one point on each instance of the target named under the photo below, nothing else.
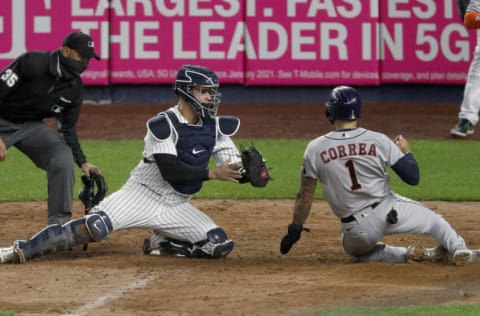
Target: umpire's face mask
(73, 66)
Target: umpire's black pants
(44, 146)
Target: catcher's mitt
(255, 166)
(93, 191)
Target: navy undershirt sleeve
(407, 169)
(172, 172)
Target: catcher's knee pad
(99, 225)
(217, 244)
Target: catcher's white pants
(135, 206)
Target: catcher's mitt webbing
(255, 166)
(93, 191)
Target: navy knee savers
(99, 225)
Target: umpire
(39, 85)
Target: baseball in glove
(256, 169)
(93, 191)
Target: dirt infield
(113, 278)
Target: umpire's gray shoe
(465, 256)
(420, 253)
(11, 255)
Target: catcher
(178, 145)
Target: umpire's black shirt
(35, 86)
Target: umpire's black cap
(82, 43)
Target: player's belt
(351, 218)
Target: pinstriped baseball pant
(136, 206)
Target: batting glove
(293, 235)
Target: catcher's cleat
(465, 256)
(11, 255)
(420, 253)
(152, 243)
(158, 246)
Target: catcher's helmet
(344, 103)
(190, 76)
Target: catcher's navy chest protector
(194, 148)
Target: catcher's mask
(344, 103)
(191, 76)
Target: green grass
(22, 181)
(418, 310)
(449, 171)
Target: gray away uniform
(352, 167)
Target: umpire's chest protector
(195, 142)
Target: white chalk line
(138, 284)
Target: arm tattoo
(304, 200)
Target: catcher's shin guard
(54, 238)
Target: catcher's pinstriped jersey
(148, 201)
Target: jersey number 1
(353, 175)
